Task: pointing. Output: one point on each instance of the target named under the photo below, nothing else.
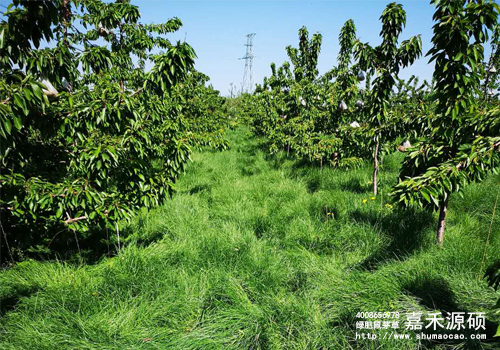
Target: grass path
(259, 252)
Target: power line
(247, 84)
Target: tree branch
(136, 92)
(69, 220)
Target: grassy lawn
(261, 252)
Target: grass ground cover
(261, 252)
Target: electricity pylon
(247, 84)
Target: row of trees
(463, 142)
(88, 135)
(453, 123)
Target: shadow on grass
(9, 303)
(404, 228)
(200, 188)
(312, 174)
(261, 226)
(250, 149)
(275, 160)
(248, 166)
(313, 184)
(354, 185)
(434, 293)
(59, 243)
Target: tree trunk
(6, 244)
(486, 96)
(122, 86)
(118, 236)
(441, 222)
(486, 82)
(375, 168)
(65, 14)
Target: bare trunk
(441, 222)
(375, 168)
(486, 82)
(122, 87)
(65, 14)
(288, 150)
(118, 236)
(488, 76)
(107, 241)
(6, 244)
(77, 244)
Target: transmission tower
(247, 84)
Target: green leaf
(7, 125)
(435, 201)
(103, 114)
(17, 122)
(20, 103)
(425, 195)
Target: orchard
(142, 209)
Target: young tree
(81, 150)
(305, 58)
(289, 97)
(345, 74)
(464, 143)
(385, 62)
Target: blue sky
(217, 29)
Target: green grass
(246, 256)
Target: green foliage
(242, 110)
(203, 110)
(493, 275)
(305, 58)
(345, 73)
(304, 113)
(81, 151)
(463, 144)
(324, 118)
(260, 252)
(492, 68)
(384, 61)
(455, 140)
